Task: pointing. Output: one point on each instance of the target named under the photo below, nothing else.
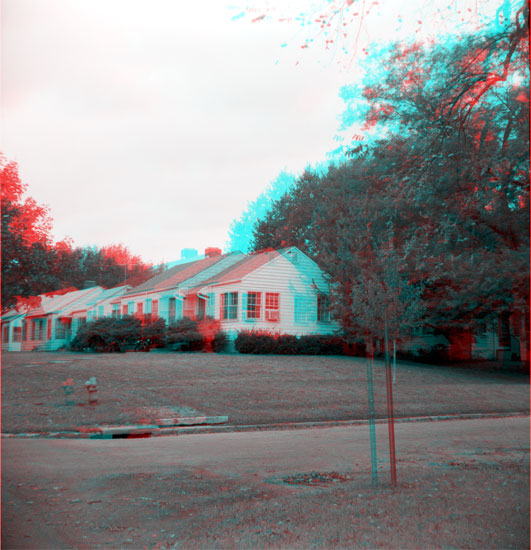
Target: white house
(281, 291)
(164, 295)
(46, 324)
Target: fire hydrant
(68, 387)
(92, 387)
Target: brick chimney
(212, 251)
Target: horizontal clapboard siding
(289, 280)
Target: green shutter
(312, 308)
(179, 309)
(211, 307)
(244, 305)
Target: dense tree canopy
(438, 205)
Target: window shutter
(312, 308)
(245, 299)
(179, 309)
(211, 307)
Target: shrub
(152, 335)
(107, 334)
(185, 334)
(262, 342)
(256, 341)
(219, 342)
(213, 337)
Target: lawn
(138, 387)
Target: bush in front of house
(107, 334)
(219, 343)
(320, 344)
(184, 335)
(152, 335)
(263, 342)
(255, 341)
(213, 337)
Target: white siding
(288, 280)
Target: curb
(206, 424)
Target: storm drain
(313, 479)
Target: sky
(152, 123)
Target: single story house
(281, 291)
(164, 295)
(44, 325)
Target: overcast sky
(152, 123)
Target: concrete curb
(193, 425)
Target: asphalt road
(45, 464)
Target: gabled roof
(240, 269)
(173, 277)
(86, 302)
(54, 304)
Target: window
(115, 310)
(36, 329)
(272, 310)
(229, 305)
(5, 333)
(253, 305)
(17, 334)
(323, 309)
(155, 309)
(171, 310)
(24, 330)
(60, 329)
(82, 321)
(125, 310)
(131, 308)
(147, 311)
(201, 308)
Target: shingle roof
(174, 276)
(242, 268)
(52, 304)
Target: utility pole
(390, 412)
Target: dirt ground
(139, 387)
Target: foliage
(219, 342)
(240, 231)
(32, 264)
(108, 334)
(153, 334)
(428, 224)
(185, 333)
(265, 342)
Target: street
(49, 486)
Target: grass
(138, 387)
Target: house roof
(90, 300)
(174, 276)
(54, 304)
(240, 269)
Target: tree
(26, 241)
(241, 230)
(32, 264)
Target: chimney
(188, 253)
(212, 251)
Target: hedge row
(111, 334)
(262, 342)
